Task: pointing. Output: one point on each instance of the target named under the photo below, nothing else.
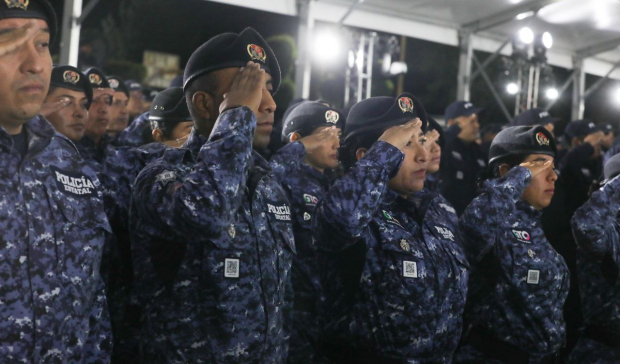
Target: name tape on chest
(279, 210)
(445, 232)
(522, 236)
(74, 184)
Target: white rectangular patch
(533, 276)
(410, 269)
(459, 175)
(231, 268)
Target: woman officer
(394, 285)
(519, 282)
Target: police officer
(433, 177)
(305, 187)
(519, 282)
(93, 145)
(70, 85)
(212, 240)
(119, 111)
(52, 223)
(394, 282)
(597, 233)
(170, 114)
(135, 107)
(462, 157)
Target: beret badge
(71, 77)
(19, 4)
(257, 53)
(331, 116)
(94, 79)
(542, 139)
(405, 104)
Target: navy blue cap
(97, 78)
(71, 78)
(434, 125)
(376, 114)
(580, 128)
(177, 81)
(170, 105)
(612, 168)
(149, 94)
(230, 50)
(133, 85)
(117, 84)
(609, 128)
(534, 117)
(492, 128)
(307, 116)
(461, 108)
(522, 140)
(31, 9)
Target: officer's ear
(503, 169)
(575, 142)
(204, 105)
(158, 136)
(293, 137)
(360, 153)
(450, 122)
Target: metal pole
(400, 87)
(578, 105)
(371, 50)
(303, 64)
(520, 87)
(354, 5)
(536, 85)
(70, 42)
(87, 9)
(361, 56)
(561, 90)
(465, 56)
(490, 59)
(347, 88)
(530, 86)
(498, 99)
(600, 81)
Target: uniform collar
(528, 209)
(194, 142)
(307, 170)
(40, 133)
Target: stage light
(512, 88)
(526, 35)
(547, 40)
(552, 93)
(327, 46)
(617, 96)
(525, 15)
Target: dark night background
(120, 30)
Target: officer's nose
(267, 104)
(421, 155)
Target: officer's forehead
(9, 24)
(538, 157)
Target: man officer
(52, 223)
(212, 241)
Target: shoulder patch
(74, 184)
(521, 235)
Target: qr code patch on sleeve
(410, 269)
(231, 268)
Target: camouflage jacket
(519, 282)
(212, 246)
(52, 230)
(392, 269)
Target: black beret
(230, 50)
(612, 168)
(434, 125)
(522, 140)
(31, 9)
(580, 128)
(133, 85)
(534, 117)
(308, 116)
(117, 84)
(97, 78)
(376, 114)
(71, 78)
(170, 105)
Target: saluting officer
(52, 222)
(596, 229)
(305, 187)
(519, 282)
(212, 240)
(394, 282)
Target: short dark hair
(348, 150)
(209, 82)
(492, 170)
(166, 127)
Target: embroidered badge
(279, 210)
(71, 77)
(95, 79)
(114, 83)
(311, 200)
(445, 232)
(405, 104)
(19, 4)
(257, 53)
(332, 116)
(542, 139)
(73, 183)
(404, 245)
(522, 235)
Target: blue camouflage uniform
(304, 187)
(52, 230)
(519, 282)
(597, 233)
(392, 270)
(92, 153)
(212, 246)
(137, 133)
